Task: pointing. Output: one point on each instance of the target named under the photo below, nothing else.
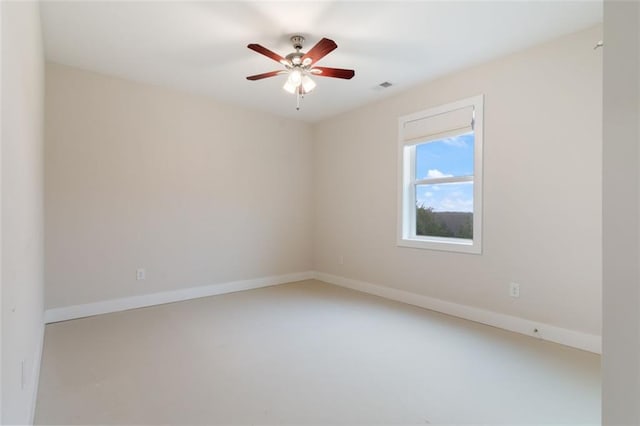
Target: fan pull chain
(298, 96)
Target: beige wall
(22, 208)
(542, 189)
(195, 192)
(621, 195)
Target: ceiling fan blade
(333, 72)
(268, 53)
(266, 75)
(320, 50)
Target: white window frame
(407, 182)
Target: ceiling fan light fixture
(295, 77)
(308, 84)
(289, 87)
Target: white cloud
(457, 142)
(435, 173)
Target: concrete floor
(307, 353)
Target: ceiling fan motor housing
(297, 41)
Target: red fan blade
(268, 53)
(333, 72)
(265, 75)
(320, 50)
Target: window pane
(445, 210)
(445, 157)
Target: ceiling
(201, 46)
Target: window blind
(438, 126)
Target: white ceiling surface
(201, 46)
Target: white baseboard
(35, 375)
(576, 339)
(115, 305)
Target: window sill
(442, 244)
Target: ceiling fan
(300, 66)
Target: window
(440, 177)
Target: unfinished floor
(307, 353)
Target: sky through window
(444, 158)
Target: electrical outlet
(514, 290)
(141, 274)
